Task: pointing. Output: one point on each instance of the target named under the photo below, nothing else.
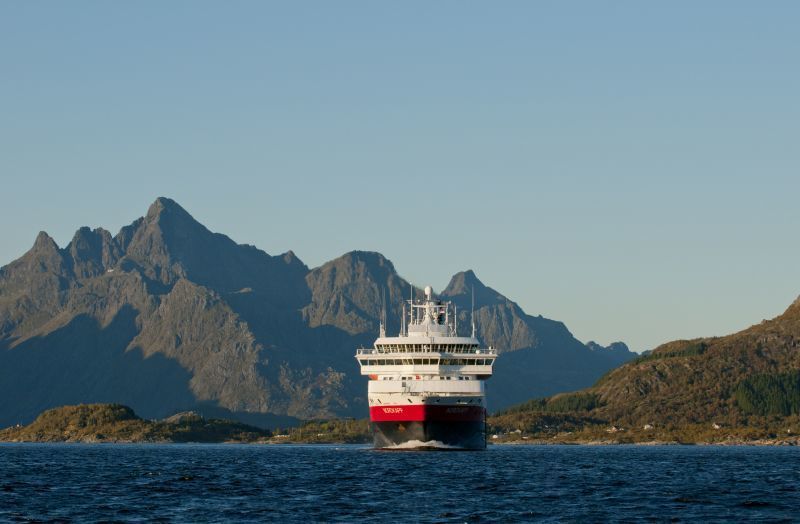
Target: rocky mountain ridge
(167, 316)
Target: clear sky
(630, 168)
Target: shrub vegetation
(770, 394)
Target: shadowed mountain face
(538, 354)
(168, 316)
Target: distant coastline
(114, 423)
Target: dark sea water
(199, 483)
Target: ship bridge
(427, 348)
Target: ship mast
(382, 330)
(472, 313)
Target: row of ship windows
(428, 362)
(427, 377)
(436, 401)
(413, 348)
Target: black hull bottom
(433, 435)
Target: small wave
(754, 504)
(414, 444)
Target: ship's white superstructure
(427, 384)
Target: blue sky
(630, 168)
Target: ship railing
(425, 353)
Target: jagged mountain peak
(292, 260)
(83, 231)
(44, 252)
(371, 259)
(348, 292)
(92, 251)
(44, 242)
(169, 244)
(354, 266)
(163, 205)
(361, 268)
(614, 347)
(173, 221)
(42, 272)
(463, 284)
(85, 234)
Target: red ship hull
(429, 426)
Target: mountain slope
(537, 353)
(695, 381)
(160, 289)
(168, 316)
(731, 386)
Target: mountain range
(167, 316)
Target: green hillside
(741, 387)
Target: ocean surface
(256, 483)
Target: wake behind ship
(427, 385)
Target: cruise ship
(427, 385)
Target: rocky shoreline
(114, 423)
(117, 424)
